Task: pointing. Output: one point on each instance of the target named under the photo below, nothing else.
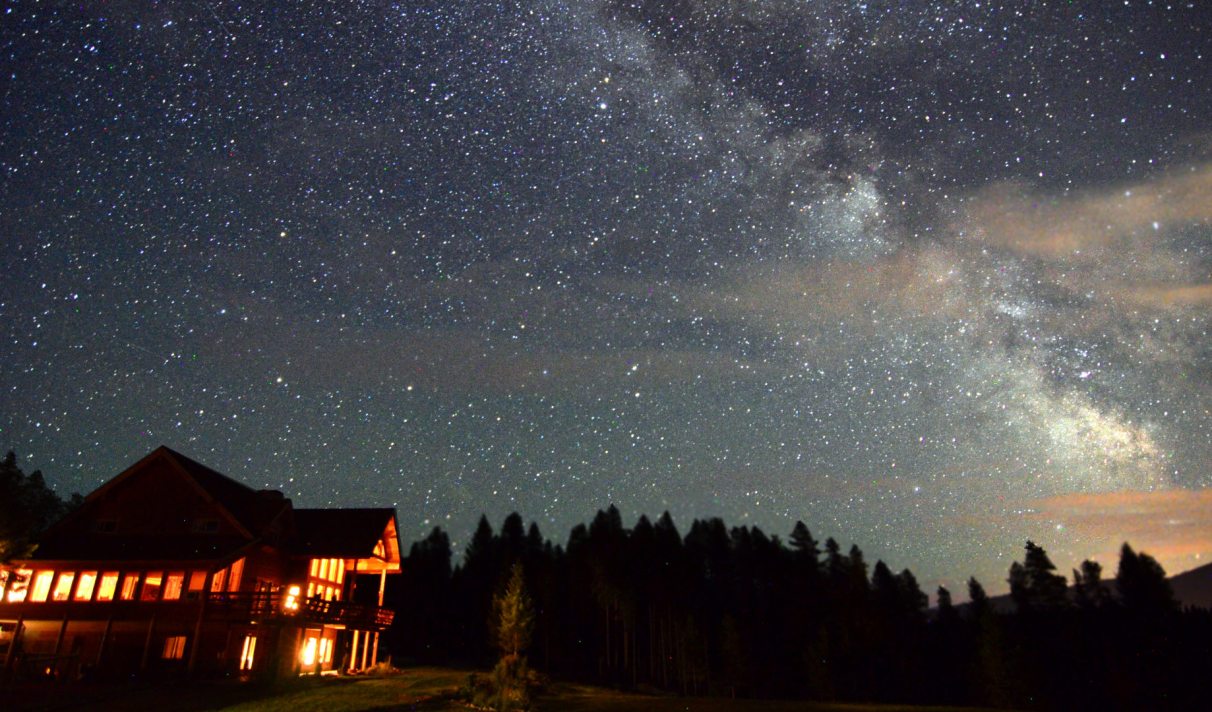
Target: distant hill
(1191, 588)
(1194, 587)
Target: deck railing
(270, 605)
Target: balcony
(269, 606)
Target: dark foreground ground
(422, 689)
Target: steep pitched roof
(253, 509)
(249, 511)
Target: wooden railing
(269, 605)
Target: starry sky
(932, 277)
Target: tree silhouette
(27, 508)
(1033, 584)
(1142, 584)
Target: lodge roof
(337, 533)
(345, 533)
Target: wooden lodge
(171, 568)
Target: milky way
(932, 278)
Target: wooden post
(59, 639)
(374, 658)
(151, 626)
(365, 648)
(353, 657)
(11, 655)
(109, 624)
(59, 643)
(195, 643)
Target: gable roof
(250, 511)
(346, 534)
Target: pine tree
(1142, 583)
(27, 508)
(514, 616)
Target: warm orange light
(18, 585)
(107, 586)
(42, 584)
(308, 656)
(84, 589)
(291, 602)
(63, 585)
(249, 651)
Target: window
(18, 585)
(107, 586)
(173, 585)
(308, 654)
(325, 650)
(237, 570)
(323, 569)
(63, 587)
(197, 582)
(151, 587)
(174, 647)
(42, 584)
(84, 589)
(129, 582)
(216, 583)
(248, 651)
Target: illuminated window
(63, 586)
(197, 582)
(216, 583)
(237, 570)
(323, 568)
(173, 585)
(311, 590)
(174, 647)
(325, 650)
(315, 568)
(107, 586)
(151, 586)
(340, 577)
(129, 583)
(246, 654)
(18, 585)
(308, 655)
(42, 584)
(84, 590)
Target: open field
(422, 689)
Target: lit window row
(38, 586)
(332, 570)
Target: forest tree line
(733, 611)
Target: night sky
(932, 277)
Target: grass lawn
(422, 689)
